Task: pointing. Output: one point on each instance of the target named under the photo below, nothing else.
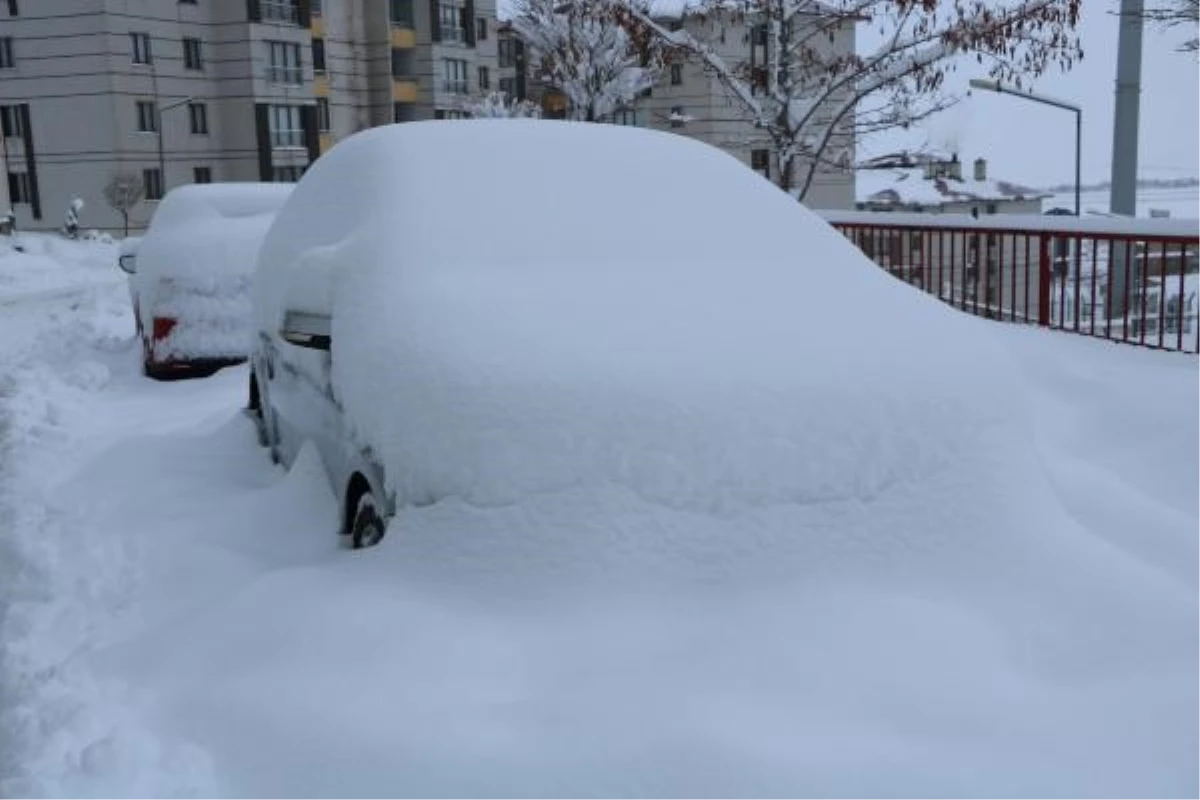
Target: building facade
(214, 90)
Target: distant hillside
(1143, 183)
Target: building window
(187, 2)
(6, 53)
(285, 63)
(280, 11)
(10, 122)
(454, 76)
(626, 116)
(676, 74)
(401, 13)
(12, 8)
(991, 208)
(318, 54)
(139, 45)
(454, 22)
(314, 7)
(191, 54)
(19, 190)
(485, 79)
(287, 174)
(147, 117)
(152, 184)
(286, 130)
(506, 50)
(760, 161)
(481, 29)
(508, 87)
(202, 175)
(403, 112)
(198, 115)
(678, 117)
(323, 119)
(402, 62)
(449, 113)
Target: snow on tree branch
(801, 82)
(497, 105)
(1178, 13)
(588, 51)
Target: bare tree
(809, 95)
(124, 191)
(1178, 14)
(497, 104)
(588, 50)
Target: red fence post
(1043, 268)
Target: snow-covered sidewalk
(178, 618)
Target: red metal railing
(1126, 280)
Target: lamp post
(162, 161)
(995, 86)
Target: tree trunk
(125, 216)
(786, 173)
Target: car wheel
(254, 406)
(368, 527)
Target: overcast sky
(1034, 144)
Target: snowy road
(178, 620)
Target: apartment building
(172, 92)
(180, 91)
(382, 61)
(687, 99)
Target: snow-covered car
(191, 274)
(442, 316)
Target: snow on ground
(178, 618)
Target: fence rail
(1125, 280)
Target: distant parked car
(440, 315)
(190, 275)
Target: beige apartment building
(185, 91)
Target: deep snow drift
(1022, 621)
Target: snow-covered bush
(497, 105)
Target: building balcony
(404, 91)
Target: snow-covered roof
(908, 187)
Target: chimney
(981, 169)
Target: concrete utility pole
(1123, 194)
(1123, 199)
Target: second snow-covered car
(190, 275)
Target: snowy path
(179, 620)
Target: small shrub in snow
(124, 191)
(497, 105)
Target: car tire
(255, 409)
(367, 527)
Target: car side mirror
(128, 263)
(305, 329)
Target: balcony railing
(293, 76)
(280, 11)
(454, 87)
(1126, 280)
(289, 138)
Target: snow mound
(38, 265)
(196, 262)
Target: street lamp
(979, 83)
(162, 165)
